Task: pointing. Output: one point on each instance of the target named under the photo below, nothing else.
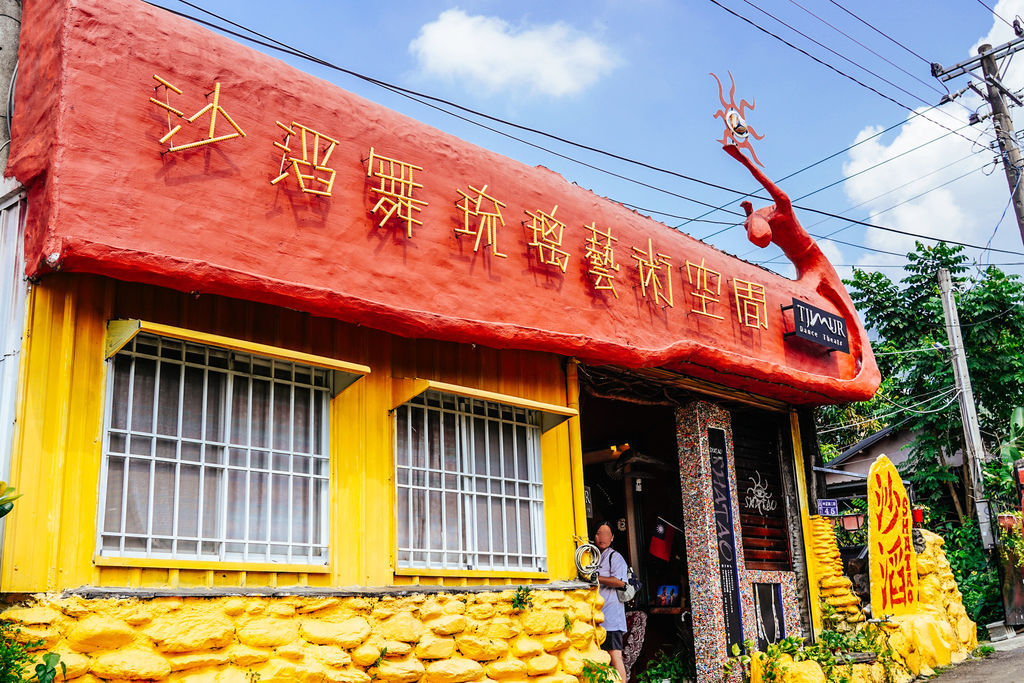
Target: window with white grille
(468, 483)
(213, 454)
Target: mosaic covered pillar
(712, 538)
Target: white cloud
(967, 209)
(490, 54)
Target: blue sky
(632, 77)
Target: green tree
(905, 317)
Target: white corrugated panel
(13, 290)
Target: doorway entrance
(631, 479)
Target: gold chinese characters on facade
(307, 159)
(213, 108)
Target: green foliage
(567, 623)
(522, 598)
(7, 498)
(46, 671)
(905, 316)
(739, 660)
(976, 575)
(675, 666)
(1011, 540)
(983, 651)
(15, 658)
(595, 672)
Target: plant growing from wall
(15, 657)
(1011, 539)
(522, 599)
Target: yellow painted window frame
(121, 332)
(405, 389)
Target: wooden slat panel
(764, 531)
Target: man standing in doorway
(611, 575)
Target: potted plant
(668, 668)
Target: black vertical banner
(725, 539)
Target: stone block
(501, 627)
(268, 632)
(317, 605)
(131, 664)
(196, 660)
(330, 655)
(37, 638)
(284, 671)
(434, 647)
(537, 622)
(541, 664)
(527, 647)
(454, 671)
(553, 642)
(400, 671)
(191, 631)
(233, 606)
(99, 633)
(76, 664)
(581, 634)
(403, 627)
(454, 606)
(430, 609)
(481, 648)
(448, 624)
(507, 668)
(572, 661)
(368, 653)
(243, 655)
(347, 676)
(30, 616)
(480, 611)
(347, 634)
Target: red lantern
(852, 522)
(918, 515)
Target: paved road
(999, 667)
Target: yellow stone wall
(437, 638)
(827, 570)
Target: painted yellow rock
(284, 671)
(527, 647)
(480, 611)
(454, 671)
(348, 676)
(368, 653)
(541, 664)
(537, 622)
(435, 647)
(448, 624)
(572, 661)
(802, 672)
(99, 633)
(507, 668)
(553, 642)
(581, 634)
(243, 655)
(347, 634)
(501, 627)
(400, 671)
(481, 648)
(196, 660)
(131, 665)
(30, 616)
(268, 632)
(403, 627)
(76, 664)
(330, 655)
(191, 632)
(430, 609)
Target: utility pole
(996, 94)
(974, 450)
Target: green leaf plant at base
(596, 672)
(904, 316)
(15, 658)
(672, 666)
(522, 599)
(831, 652)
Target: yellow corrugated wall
(51, 535)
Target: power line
(880, 56)
(881, 33)
(993, 11)
(874, 418)
(822, 62)
(865, 266)
(411, 94)
(821, 161)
